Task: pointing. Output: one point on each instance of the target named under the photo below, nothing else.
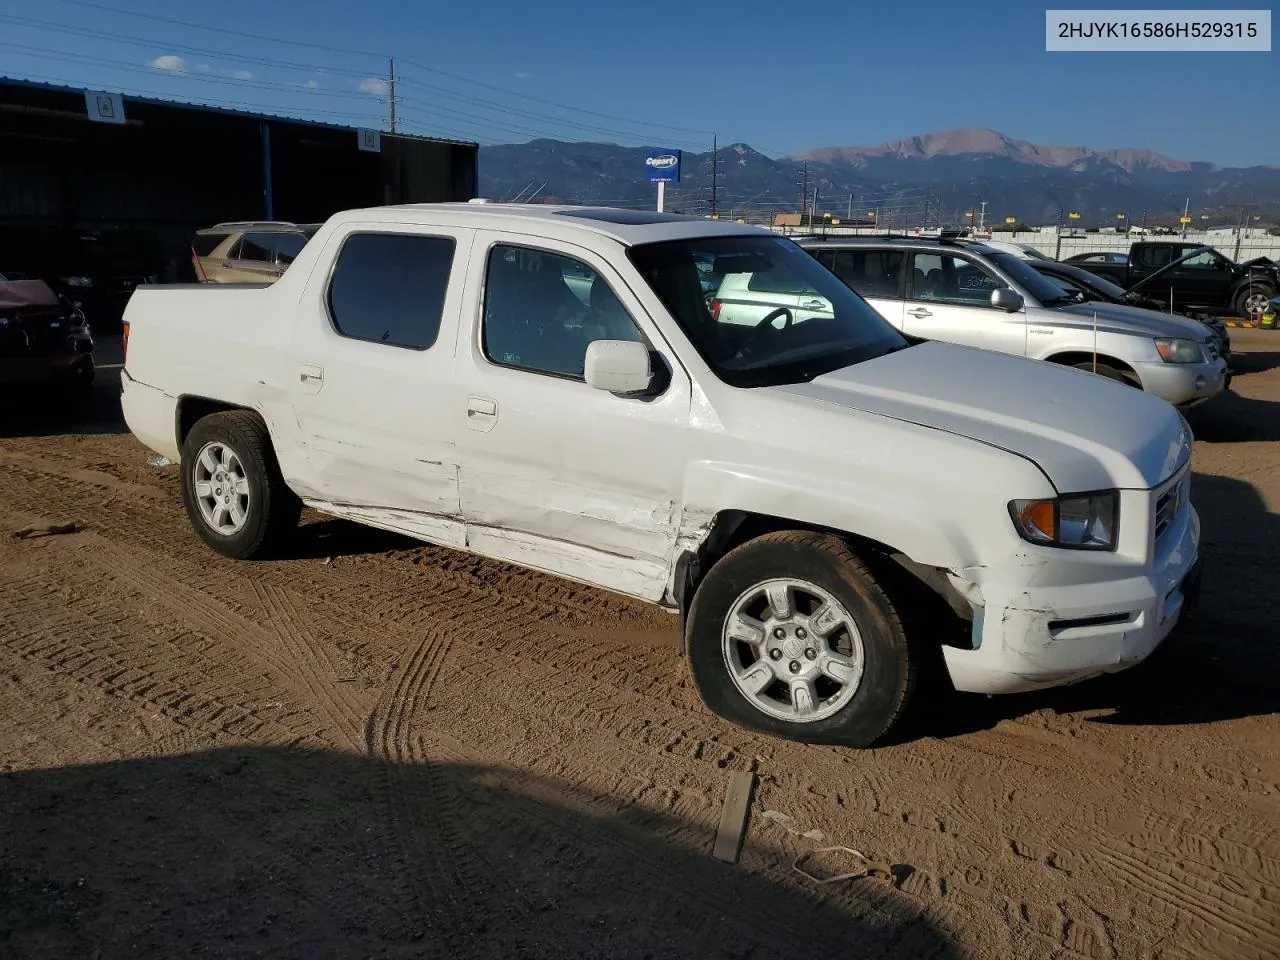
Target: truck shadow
(47, 411)
(1219, 664)
(276, 851)
(1254, 361)
(325, 537)
(1233, 418)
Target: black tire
(273, 509)
(1110, 372)
(1246, 292)
(891, 664)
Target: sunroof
(630, 217)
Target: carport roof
(206, 108)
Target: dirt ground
(380, 749)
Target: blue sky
(782, 77)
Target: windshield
(1041, 288)
(1101, 284)
(762, 311)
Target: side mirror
(1006, 299)
(618, 366)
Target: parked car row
(805, 481)
(1191, 278)
(968, 292)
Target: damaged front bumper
(1031, 636)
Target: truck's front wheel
(232, 489)
(791, 635)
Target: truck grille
(1168, 505)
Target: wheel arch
(729, 528)
(1070, 358)
(191, 409)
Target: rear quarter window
(390, 288)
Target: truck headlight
(1179, 351)
(1078, 522)
(78, 281)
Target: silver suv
(967, 293)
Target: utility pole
(982, 218)
(1057, 253)
(714, 141)
(391, 95)
(804, 191)
(849, 215)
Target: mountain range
(935, 176)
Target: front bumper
(1031, 635)
(1184, 384)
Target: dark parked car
(98, 268)
(1193, 278)
(44, 340)
(1090, 287)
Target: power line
(48, 53)
(367, 53)
(50, 27)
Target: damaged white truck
(552, 387)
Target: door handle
(312, 377)
(482, 413)
(920, 312)
(814, 305)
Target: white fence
(1238, 246)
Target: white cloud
(170, 63)
(242, 74)
(522, 75)
(312, 84)
(203, 68)
(373, 85)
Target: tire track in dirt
(439, 865)
(292, 658)
(1178, 894)
(167, 673)
(312, 665)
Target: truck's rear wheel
(232, 489)
(790, 634)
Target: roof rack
(251, 224)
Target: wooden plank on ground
(733, 817)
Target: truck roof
(629, 227)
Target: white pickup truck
(547, 386)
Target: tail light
(124, 342)
(715, 309)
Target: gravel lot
(384, 749)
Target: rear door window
(390, 288)
(872, 273)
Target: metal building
(77, 160)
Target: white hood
(1085, 432)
